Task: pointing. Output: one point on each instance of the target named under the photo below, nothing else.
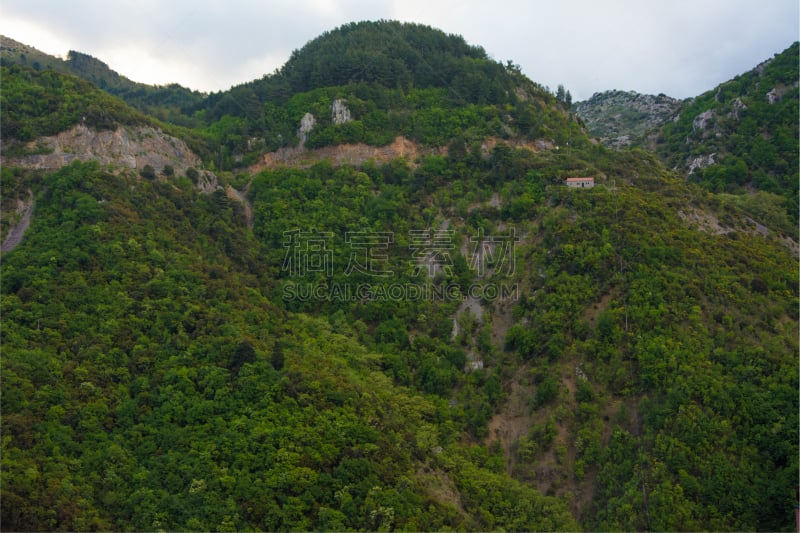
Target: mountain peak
(390, 54)
(625, 118)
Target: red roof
(590, 178)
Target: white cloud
(35, 35)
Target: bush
(546, 391)
(148, 172)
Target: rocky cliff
(358, 153)
(625, 118)
(124, 147)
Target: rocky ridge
(358, 153)
(125, 147)
(625, 118)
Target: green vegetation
(219, 402)
(429, 116)
(167, 103)
(150, 382)
(753, 136)
(386, 53)
(37, 104)
(166, 367)
(396, 79)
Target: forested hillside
(743, 134)
(169, 103)
(395, 79)
(453, 340)
(739, 138)
(37, 104)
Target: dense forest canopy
(167, 364)
(390, 54)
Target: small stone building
(580, 183)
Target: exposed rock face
(307, 124)
(776, 94)
(699, 162)
(207, 182)
(761, 66)
(736, 106)
(23, 212)
(125, 147)
(701, 121)
(241, 197)
(772, 96)
(357, 154)
(624, 118)
(340, 114)
(342, 154)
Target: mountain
(621, 119)
(743, 134)
(167, 103)
(738, 137)
(394, 79)
(46, 113)
(385, 53)
(399, 317)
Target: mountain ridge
(736, 139)
(166, 102)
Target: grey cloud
(679, 47)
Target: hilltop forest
(356, 294)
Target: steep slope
(630, 342)
(43, 103)
(51, 119)
(36, 104)
(124, 147)
(184, 397)
(453, 341)
(739, 137)
(743, 134)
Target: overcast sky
(677, 47)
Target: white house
(580, 183)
